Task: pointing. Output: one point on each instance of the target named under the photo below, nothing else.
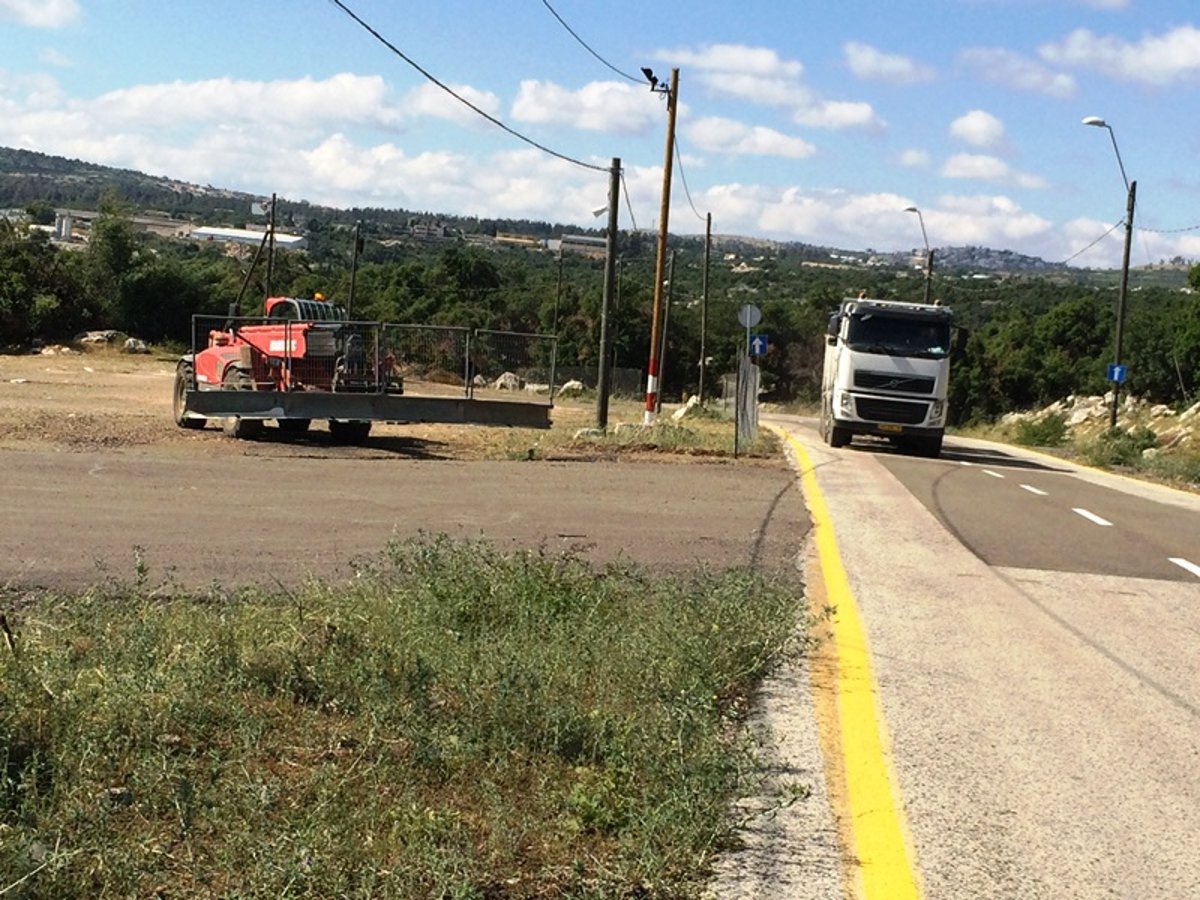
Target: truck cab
(887, 373)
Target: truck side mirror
(831, 328)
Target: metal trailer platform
(375, 407)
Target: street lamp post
(1130, 199)
(928, 252)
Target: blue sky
(815, 122)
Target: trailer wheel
(293, 426)
(236, 379)
(349, 431)
(183, 381)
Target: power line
(682, 177)
(585, 46)
(628, 204)
(463, 100)
(1092, 244)
(1168, 230)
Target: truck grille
(879, 409)
(890, 381)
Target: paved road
(74, 518)
(1038, 669)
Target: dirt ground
(99, 483)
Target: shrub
(1047, 431)
(1118, 447)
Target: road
(73, 519)
(1033, 629)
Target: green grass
(453, 723)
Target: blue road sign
(1116, 373)
(758, 344)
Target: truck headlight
(846, 403)
(936, 410)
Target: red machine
(298, 345)
(304, 360)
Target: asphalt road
(1038, 670)
(73, 519)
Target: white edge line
(1185, 565)
(1092, 517)
(1033, 490)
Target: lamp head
(650, 77)
(1095, 120)
(911, 209)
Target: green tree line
(1033, 340)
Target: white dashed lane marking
(1033, 490)
(1185, 565)
(993, 474)
(1092, 517)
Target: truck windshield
(870, 332)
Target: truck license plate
(890, 428)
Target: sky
(817, 122)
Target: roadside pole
(660, 261)
(604, 376)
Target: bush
(1118, 447)
(1048, 431)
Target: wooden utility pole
(660, 261)
(604, 375)
(704, 304)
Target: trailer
(303, 360)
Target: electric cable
(585, 46)
(1092, 244)
(463, 100)
(628, 204)
(682, 177)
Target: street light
(928, 252)
(1131, 196)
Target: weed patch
(454, 723)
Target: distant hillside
(29, 178)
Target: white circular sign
(749, 315)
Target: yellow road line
(886, 865)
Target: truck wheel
(349, 432)
(235, 426)
(293, 426)
(183, 381)
(838, 437)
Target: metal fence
(374, 357)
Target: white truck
(887, 373)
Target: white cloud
(604, 106)
(304, 103)
(978, 128)
(758, 75)
(41, 13)
(985, 220)
(431, 100)
(1157, 60)
(867, 62)
(721, 135)
(914, 159)
(736, 58)
(988, 168)
(838, 114)
(1106, 4)
(1013, 70)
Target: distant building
(595, 247)
(246, 236)
(518, 240)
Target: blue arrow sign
(758, 344)
(1116, 373)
